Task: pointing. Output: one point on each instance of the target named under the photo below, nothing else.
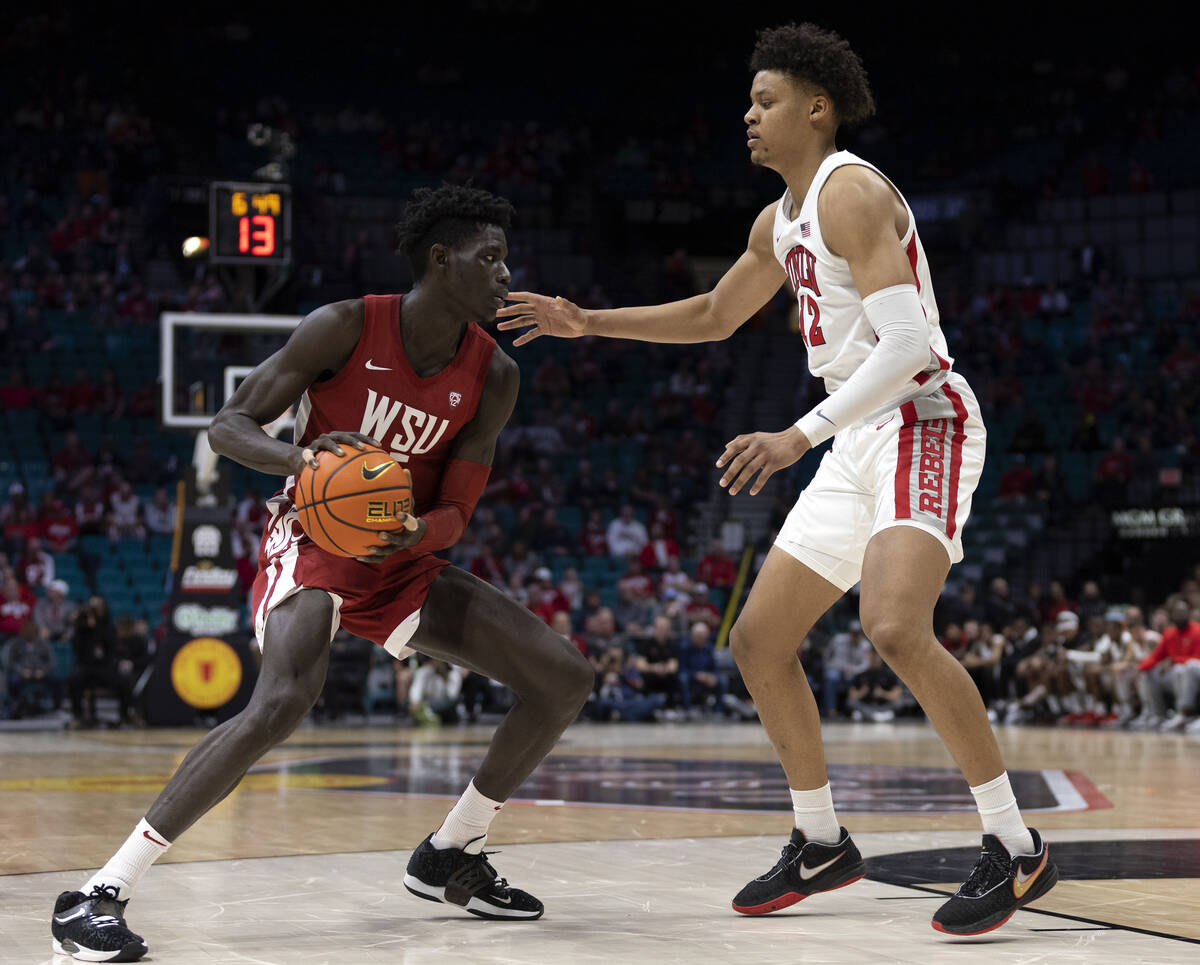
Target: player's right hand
(330, 442)
(547, 316)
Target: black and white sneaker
(465, 877)
(804, 868)
(91, 928)
(998, 885)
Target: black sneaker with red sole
(998, 885)
(804, 868)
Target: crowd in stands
(586, 517)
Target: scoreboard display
(250, 224)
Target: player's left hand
(411, 532)
(762, 453)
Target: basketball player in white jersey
(888, 503)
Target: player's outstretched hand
(332, 442)
(411, 531)
(542, 315)
(764, 453)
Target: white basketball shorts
(915, 466)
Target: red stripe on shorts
(904, 458)
(960, 420)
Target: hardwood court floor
(635, 836)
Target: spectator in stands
(716, 569)
(93, 667)
(16, 393)
(636, 593)
(489, 567)
(981, 657)
(131, 655)
(674, 578)
(20, 521)
(434, 695)
(593, 536)
(701, 609)
(1091, 603)
(657, 659)
(91, 512)
(584, 489)
(603, 636)
(1049, 486)
(551, 537)
(55, 614)
(659, 551)
(999, 609)
(572, 587)
(16, 606)
(846, 656)
(875, 693)
(1173, 665)
(546, 599)
(160, 513)
(30, 663)
(1016, 485)
(1112, 475)
(620, 693)
(57, 526)
(626, 535)
(125, 517)
(36, 568)
(74, 467)
(561, 624)
(701, 684)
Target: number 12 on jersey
(810, 321)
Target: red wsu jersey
(378, 394)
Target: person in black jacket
(95, 667)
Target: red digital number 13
(261, 231)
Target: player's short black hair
(448, 216)
(822, 58)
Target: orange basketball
(347, 500)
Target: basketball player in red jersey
(887, 505)
(417, 373)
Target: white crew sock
(814, 815)
(467, 820)
(125, 868)
(1001, 816)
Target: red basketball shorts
(379, 602)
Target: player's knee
(280, 713)
(895, 640)
(577, 680)
(749, 650)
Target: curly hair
(448, 216)
(822, 58)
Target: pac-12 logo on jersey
(419, 431)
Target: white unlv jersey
(834, 325)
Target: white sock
(125, 868)
(814, 815)
(467, 820)
(1001, 816)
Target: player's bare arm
(710, 317)
(861, 223)
(475, 443)
(318, 348)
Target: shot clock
(250, 224)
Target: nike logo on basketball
(377, 368)
(806, 872)
(149, 837)
(1022, 881)
(377, 471)
(822, 415)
